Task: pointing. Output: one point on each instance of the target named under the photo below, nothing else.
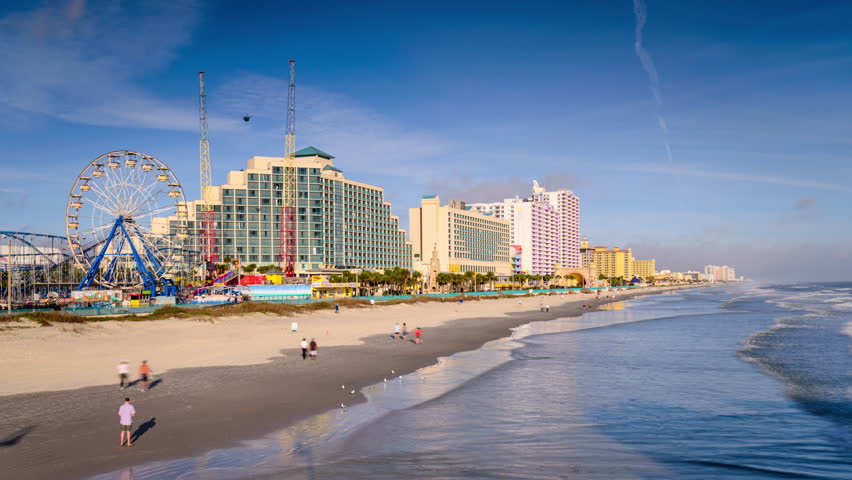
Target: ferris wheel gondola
(113, 204)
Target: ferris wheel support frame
(149, 283)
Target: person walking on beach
(547, 308)
(336, 308)
(123, 372)
(304, 349)
(126, 412)
(396, 331)
(417, 334)
(404, 331)
(313, 347)
(144, 373)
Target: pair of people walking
(309, 349)
(404, 331)
(144, 374)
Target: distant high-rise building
(546, 227)
(715, 273)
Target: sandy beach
(219, 381)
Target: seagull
(392, 372)
(386, 380)
(342, 406)
(400, 378)
(352, 392)
(343, 387)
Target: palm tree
(490, 277)
(417, 280)
(469, 278)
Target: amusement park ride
(109, 223)
(112, 235)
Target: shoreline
(197, 409)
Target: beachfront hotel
(613, 262)
(545, 228)
(644, 268)
(342, 223)
(463, 239)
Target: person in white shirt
(304, 349)
(123, 371)
(396, 331)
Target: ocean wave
(843, 306)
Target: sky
(694, 132)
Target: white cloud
(88, 62)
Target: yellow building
(644, 268)
(464, 239)
(614, 262)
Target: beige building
(614, 262)
(465, 240)
(644, 268)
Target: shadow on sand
(143, 429)
(16, 437)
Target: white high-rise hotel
(545, 226)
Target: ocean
(733, 382)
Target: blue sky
(471, 100)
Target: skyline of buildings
(347, 224)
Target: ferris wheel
(126, 221)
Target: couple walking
(124, 371)
(309, 348)
(397, 334)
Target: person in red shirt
(144, 373)
(417, 334)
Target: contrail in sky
(648, 65)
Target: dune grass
(48, 318)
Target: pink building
(546, 227)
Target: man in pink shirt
(126, 413)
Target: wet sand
(74, 434)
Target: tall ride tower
(287, 226)
(207, 219)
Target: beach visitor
(547, 308)
(123, 371)
(404, 331)
(396, 331)
(336, 308)
(313, 348)
(144, 372)
(541, 306)
(304, 349)
(126, 412)
(417, 334)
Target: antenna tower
(287, 225)
(207, 221)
